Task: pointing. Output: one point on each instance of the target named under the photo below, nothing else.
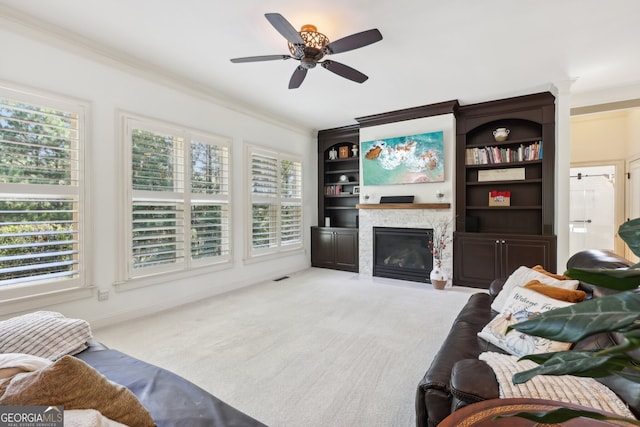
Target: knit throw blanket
(565, 388)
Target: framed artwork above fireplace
(410, 159)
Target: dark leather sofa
(171, 400)
(457, 377)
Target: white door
(592, 208)
(633, 197)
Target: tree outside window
(41, 201)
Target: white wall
(55, 67)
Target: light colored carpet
(322, 348)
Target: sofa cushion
(597, 258)
(44, 333)
(521, 305)
(521, 277)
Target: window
(41, 194)
(276, 201)
(178, 204)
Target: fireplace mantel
(403, 205)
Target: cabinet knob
(503, 242)
(497, 242)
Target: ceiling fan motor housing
(308, 63)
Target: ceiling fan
(309, 47)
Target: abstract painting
(409, 159)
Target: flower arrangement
(441, 238)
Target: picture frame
(409, 159)
(343, 152)
(356, 189)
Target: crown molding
(447, 107)
(70, 41)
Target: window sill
(268, 256)
(160, 278)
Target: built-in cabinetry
(334, 243)
(335, 248)
(481, 257)
(494, 238)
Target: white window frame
(278, 201)
(130, 277)
(41, 292)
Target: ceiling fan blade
(260, 58)
(354, 41)
(345, 71)
(297, 78)
(285, 28)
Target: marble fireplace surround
(414, 215)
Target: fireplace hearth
(402, 253)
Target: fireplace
(402, 253)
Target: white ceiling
(432, 50)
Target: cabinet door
(335, 248)
(481, 258)
(529, 252)
(476, 260)
(322, 248)
(346, 250)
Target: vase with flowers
(438, 244)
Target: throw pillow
(564, 388)
(568, 295)
(44, 333)
(522, 305)
(540, 269)
(521, 277)
(74, 384)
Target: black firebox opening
(402, 253)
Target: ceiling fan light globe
(311, 37)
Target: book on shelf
(333, 190)
(496, 154)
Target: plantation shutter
(210, 200)
(40, 192)
(158, 199)
(291, 202)
(276, 202)
(264, 192)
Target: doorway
(633, 198)
(593, 207)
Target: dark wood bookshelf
(490, 242)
